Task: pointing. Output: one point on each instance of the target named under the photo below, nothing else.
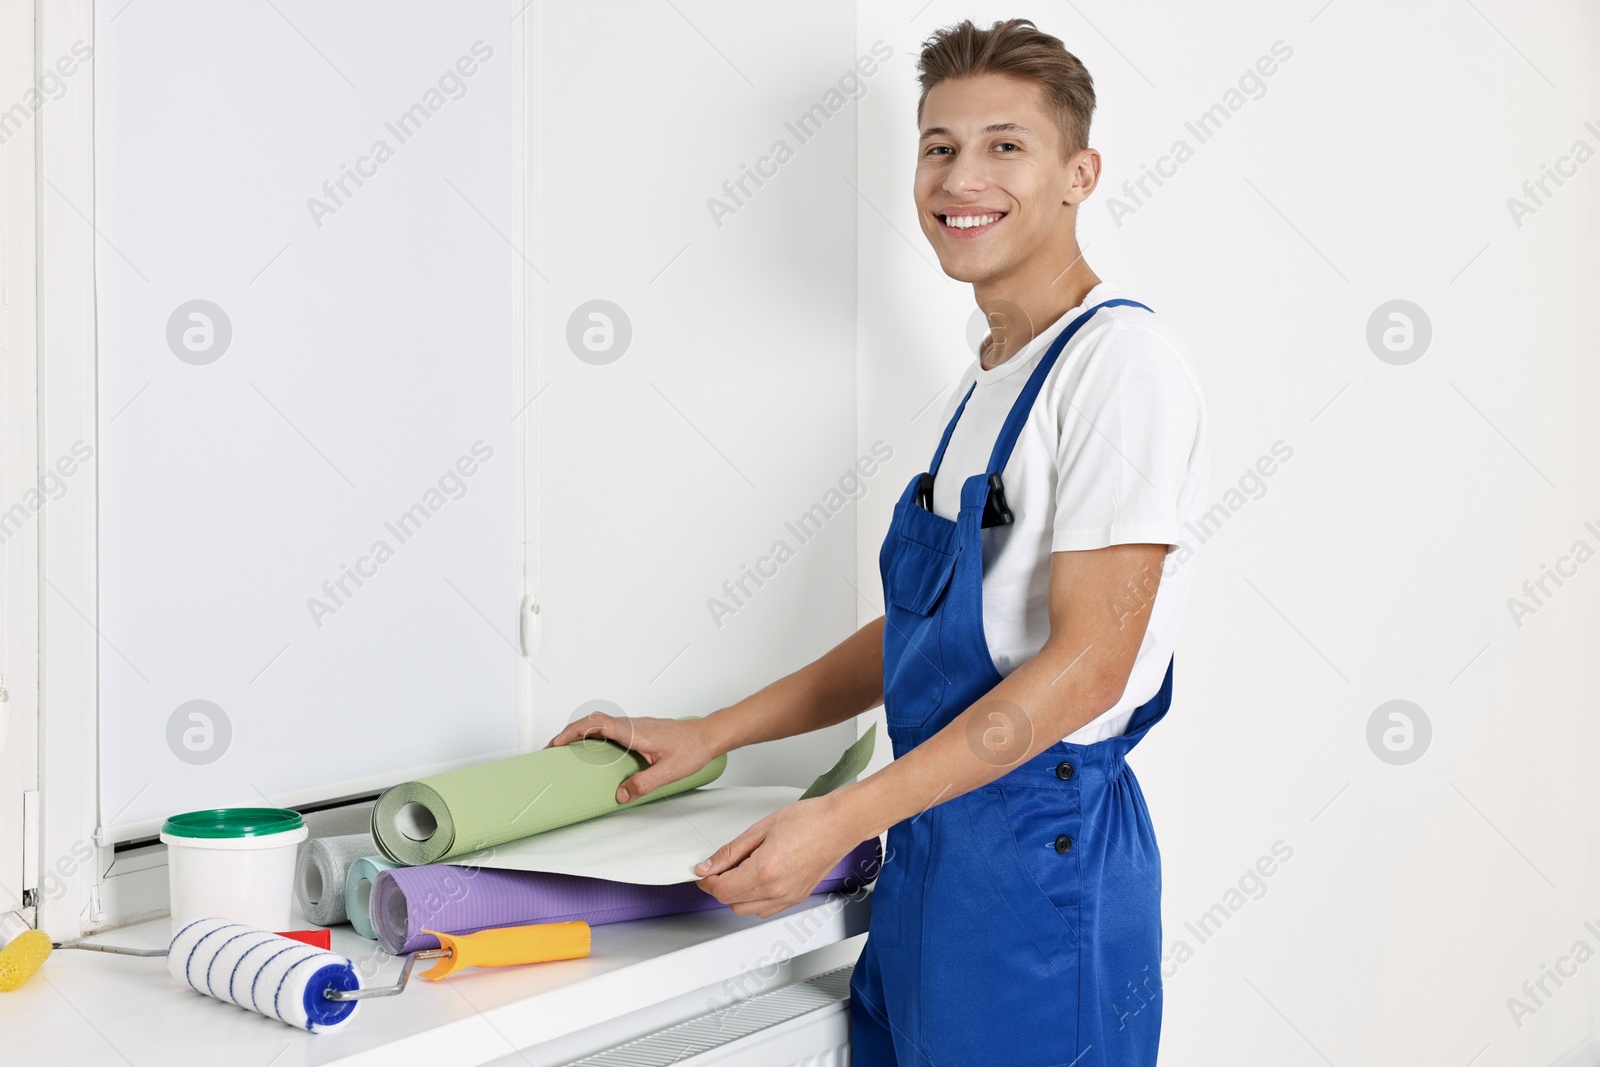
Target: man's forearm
(1037, 705)
(843, 683)
(1079, 674)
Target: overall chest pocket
(918, 558)
(918, 576)
(917, 564)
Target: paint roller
(27, 952)
(298, 983)
(281, 977)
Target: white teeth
(967, 222)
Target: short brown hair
(1019, 49)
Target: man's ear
(1084, 174)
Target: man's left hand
(779, 861)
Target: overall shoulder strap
(1149, 713)
(944, 442)
(1007, 440)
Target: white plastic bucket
(233, 863)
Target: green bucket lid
(216, 823)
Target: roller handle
(509, 946)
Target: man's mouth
(970, 224)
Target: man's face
(990, 163)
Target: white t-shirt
(1113, 452)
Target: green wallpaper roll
(444, 815)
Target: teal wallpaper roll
(358, 882)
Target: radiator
(806, 1024)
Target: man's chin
(973, 272)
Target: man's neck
(1019, 309)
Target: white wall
(306, 531)
(1377, 563)
(19, 641)
(650, 488)
(732, 411)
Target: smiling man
(1034, 580)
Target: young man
(1034, 580)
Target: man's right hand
(674, 748)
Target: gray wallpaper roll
(320, 875)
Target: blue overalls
(1019, 924)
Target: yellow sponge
(18, 960)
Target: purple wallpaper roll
(463, 900)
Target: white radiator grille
(704, 1033)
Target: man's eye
(938, 149)
(1008, 144)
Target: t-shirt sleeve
(1129, 428)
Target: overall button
(1063, 843)
(1064, 770)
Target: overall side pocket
(1042, 873)
(1045, 825)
